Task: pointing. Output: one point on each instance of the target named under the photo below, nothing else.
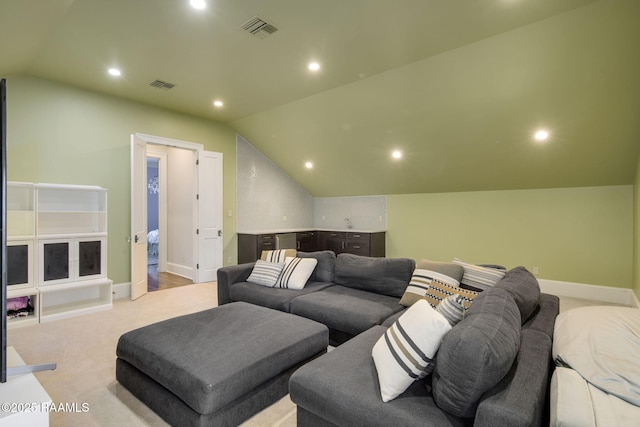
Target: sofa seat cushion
(395, 316)
(346, 309)
(275, 298)
(386, 276)
(342, 387)
(211, 358)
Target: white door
(138, 217)
(209, 248)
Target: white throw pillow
(478, 276)
(266, 273)
(406, 351)
(277, 255)
(296, 272)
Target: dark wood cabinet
(332, 240)
(250, 246)
(306, 241)
(357, 243)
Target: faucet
(348, 222)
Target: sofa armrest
(520, 398)
(227, 276)
(544, 318)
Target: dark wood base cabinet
(357, 243)
(250, 246)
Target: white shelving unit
(62, 233)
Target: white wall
(181, 183)
(364, 212)
(266, 197)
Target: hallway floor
(162, 280)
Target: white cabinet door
(138, 217)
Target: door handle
(219, 233)
(136, 238)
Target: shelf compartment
(52, 198)
(20, 224)
(73, 299)
(33, 317)
(72, 222)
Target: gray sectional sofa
(492, 368)
(348, 293)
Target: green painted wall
(64, 135)
(636, 232)
(581, 235)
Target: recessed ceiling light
(198, 4)
(314, 66)
(308, 165)
(114, 72)
(218, 103)
(396, 154)
(541, 135)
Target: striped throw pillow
(480, 277)
(427, 271)
(452, 308)
(296, 272)
(438, 292)
(279, 255)
(406, 351)
(266, 273)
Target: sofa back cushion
(325, 270)
(523, 288)
(477, 353)
(386, 276)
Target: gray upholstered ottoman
(219, 366)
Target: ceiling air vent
(161, 85)
(258, 27)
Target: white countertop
(299, 230)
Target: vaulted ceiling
(458, 87)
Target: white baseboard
(181, 270)
(636, 302)
(554, 287)
(592, 292)
(121, 290)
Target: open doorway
(190, 231)
(158, 235)
(153, 233)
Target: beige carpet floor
(84, 349)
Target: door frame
(199, 151)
